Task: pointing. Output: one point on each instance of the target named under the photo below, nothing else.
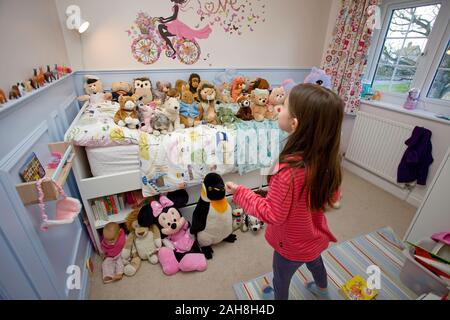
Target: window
(440, 88)
(405, 42)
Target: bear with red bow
(181, 251)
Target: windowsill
(420, 113)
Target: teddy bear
(160, 92)
(245, 111)
(276, 101)
(93, 87)
(190, 113)
(181, 85)
(320, 77)
(127, 115)
(181, 251)
(237, 87)
(207, 95)
(259, 97)
(142, 90)
(118, 89)
(142, 243)
(167, 118)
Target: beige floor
(365, 208)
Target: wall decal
(151, 36)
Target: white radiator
(378, 144)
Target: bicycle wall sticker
(154, 35)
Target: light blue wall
(33, 263)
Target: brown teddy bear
(127, 115)
(190, 113)
(207, 95)
(260, 98)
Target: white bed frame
(95, 187)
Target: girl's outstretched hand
(231, 187)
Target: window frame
(427, 64)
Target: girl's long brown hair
(316, 140)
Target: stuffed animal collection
(212, 217)
(39, 79)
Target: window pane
(440, 89)
(405, 42)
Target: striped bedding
(343, 261)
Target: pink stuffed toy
(146, 112)
(181, 251)
(276, 101)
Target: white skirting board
(403, 194)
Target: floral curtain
(346, 57)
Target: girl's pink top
(294, 231)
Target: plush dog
(127, 116)
(245, 110)
(252, 223)
(181, 251)
(142, 90)
(3, 97)
(259, 98)
(207, 95)
(276, 101)
(190, 113)
(167, 118)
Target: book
(356, 289)
(94, 211)
(116, 202)
(32, 170)
(122, 201)
(113, 205)
(106, 204)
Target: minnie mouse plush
(181, 250)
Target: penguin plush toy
(212, 220)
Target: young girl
(307, 176)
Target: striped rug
(343, 261)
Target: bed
(112, 160)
